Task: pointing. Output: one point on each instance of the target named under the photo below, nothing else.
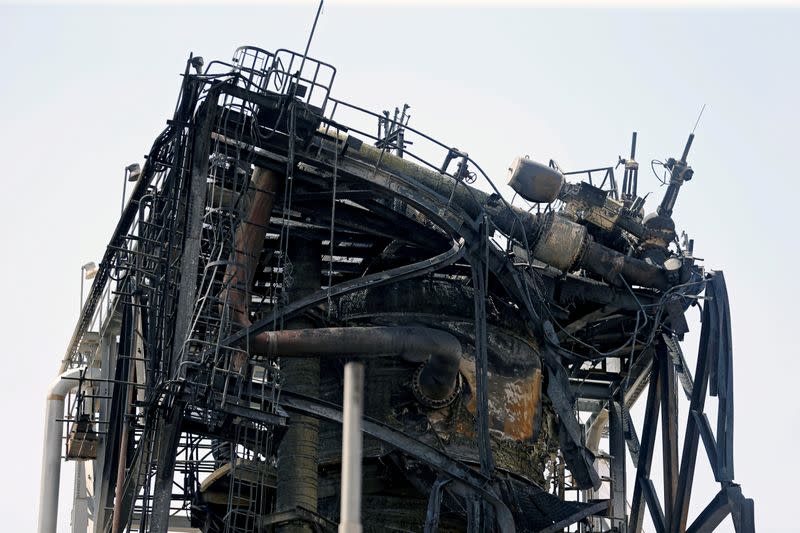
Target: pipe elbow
(68, 380)
(437, 382)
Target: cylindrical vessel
(534, 181)
(560, 242)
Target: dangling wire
(333, 219)
(283, 260)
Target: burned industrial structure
(282, 281)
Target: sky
(86, 88)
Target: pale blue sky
(86, 89)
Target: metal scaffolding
(270, 240)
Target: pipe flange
(433, 403)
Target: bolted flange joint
(427, 400)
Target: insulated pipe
(595, 432)
(511, 220)
(442, 351)
(566, 245)
(53, 435)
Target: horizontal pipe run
(610, 264)
(442, 351)
(517, 223)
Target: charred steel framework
(201, 390)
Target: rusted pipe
(248, 242)
(437, 380)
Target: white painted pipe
(352, 443)
(53, 435)
(80, 506)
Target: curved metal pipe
(437, 380)
(595, 432)
(597, 258)
(53, 435)
(248, 241)
(440, 351)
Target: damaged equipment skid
(270, 242)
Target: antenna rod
(698, 118)
(310, 36)
(687, 148)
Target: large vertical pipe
(298, 452)
(51, 464)
(352, 442)
(51, 455)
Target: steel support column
(169, 428)
(169, 432)
(709, 347)
(298, 452)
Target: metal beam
(712, 516)
(616, 445)
(579, 515)
(169, 432)
(195, 207)
(169, 428)
(709, 346)
(645, 453)
(724, 387)
(704, 428)
(654, 505)
(669, 426)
